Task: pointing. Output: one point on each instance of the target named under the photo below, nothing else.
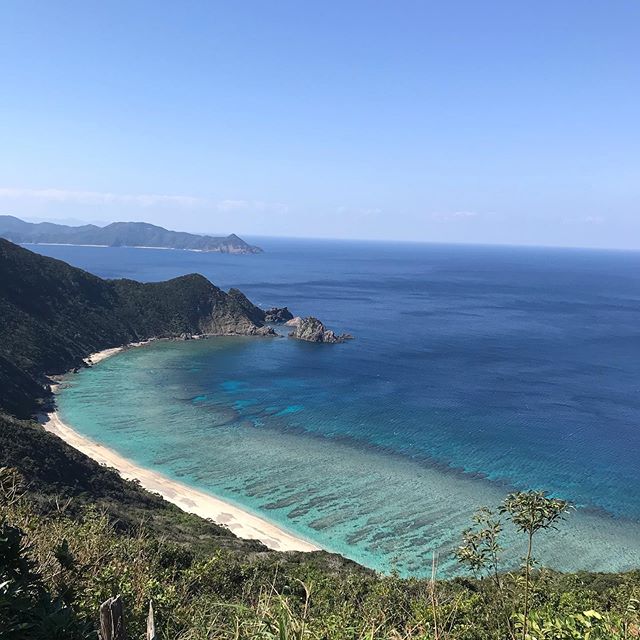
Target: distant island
(119, 234)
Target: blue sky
(506, 122)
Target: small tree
(530, 512)
(480, 548)
(479, 552)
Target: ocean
(475, 371)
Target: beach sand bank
(99, 356)
(240, 522)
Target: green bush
(57, 568)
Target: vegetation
(54, 316)
(531, 512)
(56, 570)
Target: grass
(77, 559)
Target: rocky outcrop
(278, 315)
(274, 315)
(227, 318)
(250, 310)
(312, 330)
(262, 331)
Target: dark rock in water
(262, 331)
(278, 315)
(312, 330)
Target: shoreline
(240, 522)
(140, 246)
(99, 356)
(578, 546)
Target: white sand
(99, 356)
(94, 358)
(240, 522)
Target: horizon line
(345, 239)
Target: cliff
(312, 330)
(274, 315)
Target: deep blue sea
(475, 371)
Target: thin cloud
(362, 212)
(454, 215)
(98, 197)
(249, 206)
(233, 205)
(70, 196)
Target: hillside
(119, 234)
(54, 315)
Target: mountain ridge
(120, 234)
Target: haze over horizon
(493, 123)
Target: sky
(458, 121)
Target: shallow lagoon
(475, 370)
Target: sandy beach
(240, 522)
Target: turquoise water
(475, 371)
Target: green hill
(119, 234)
(54, 316)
